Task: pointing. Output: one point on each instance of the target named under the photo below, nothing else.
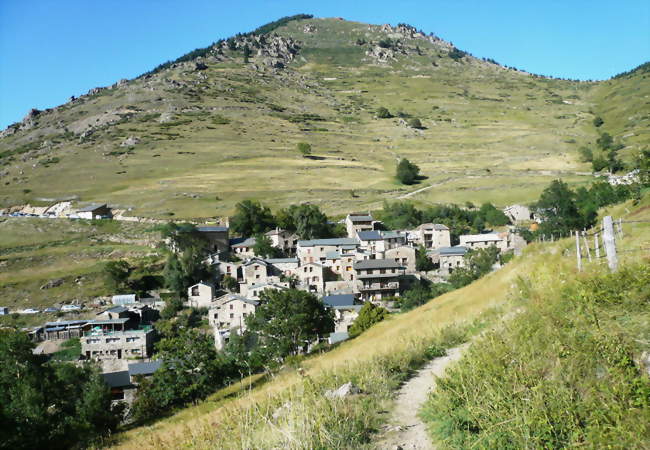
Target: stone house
(254, 292)
(283, 266)
(431, 235)
(447, 259)
(345, 308)
(316, 250)
(341, 264)
(232, 269)
(110, 339)
(378, 278)
(518, 213)
(311, 277)
(284, 240)
(124, 383)
(358, 222)
(256, 271)
(403, 255)
(231, 312)
(478, 241)
(124, 299)
(243, 248)
(201, 295)
(217, 237)
(95, 211)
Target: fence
(604, 241)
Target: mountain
(193, 137)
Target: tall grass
(565, 373)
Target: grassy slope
(35, 251)
(566, 373)
(373, 360)
(487, 129)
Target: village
(369, 264)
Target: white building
(201, 295)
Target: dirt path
(406, 430)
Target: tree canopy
(286, 321)
(251, 218)
(48, 404)
(308, 221)
(369, 314)
(407, 172)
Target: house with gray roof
(95, 211)
(430, 235)
(378, 278)
(316, 250)
(356, 222)
(448, 259)
(217, 237)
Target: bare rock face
(272, 50)
(309, 28)
(131, 140)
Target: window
(195, 291)
(382, 270)
(232, 306)
(311, 269)
(257, 277)
(244, 306)
(135, 350)
(132, 339)
(232, 316)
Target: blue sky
(50, 50)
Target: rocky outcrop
(271, 50)
(131, 140)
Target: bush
(369, 315)
(304, 148)
(383, 113)
(415, 123)
(598, 121)
(407, 172)
(586, 155)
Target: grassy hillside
(250, 415)
(34, 252)
(193, 142)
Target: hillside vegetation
(68, 254)
(290, 410)
(194, 137)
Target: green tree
(117, 275)
(605, 141)
(251, 218)
(247, 53)
(308, 221)
(422, 262)
(50, 405)
(173, 305)
(287, 321)
(416, 296)
(493, 215)
(598, 163)
(598, 121)
(383, 113)
(586, 155)
(304, 148)
(369, 314)
(477, 263)
(264, 247)
(191, 370)
(558, 209)
(407, 172)
(230, 283)
(400, 215)
(184, 270)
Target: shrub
(304, 148)
(369, 315)
(407, 172)
(598, 121)
(415, 123)
(383, 113)
(586, 155)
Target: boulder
(52, 284)
(344, 391)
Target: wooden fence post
(610, 244)
(597, 246)
(578, 256)
(584, 239)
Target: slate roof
(392, 234)
(211, 229)
(248, 242)
(451, 251)
(332, 241)
(115, 309)
(377, 264)
(117, 379)
(481, 237)
(93, 207)
(109, 321)
(65, 323)
(332, 255)
(144, 368)
(369, 235)
(339, 300)
(360, 218)
(281, 260)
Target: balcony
(379, 286)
